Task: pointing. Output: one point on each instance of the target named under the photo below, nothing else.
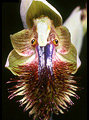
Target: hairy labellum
(44, 58)
(47, 93)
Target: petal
(70, 57)
(23, 10)
(14, 60)
(64, 40)
(21, 42)
(37, 8)
(74, 24)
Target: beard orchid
(44, 58)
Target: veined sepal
(70, 57)
(21, 42)
(64, 40)
(14, 60)
(35, 8)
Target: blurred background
(11, 23)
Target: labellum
(43, 61)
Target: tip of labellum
(50, 93)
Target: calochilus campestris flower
(45, 57)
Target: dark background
(11, 23)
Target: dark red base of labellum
(46, 85)
(43, 96)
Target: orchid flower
(45, 57)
